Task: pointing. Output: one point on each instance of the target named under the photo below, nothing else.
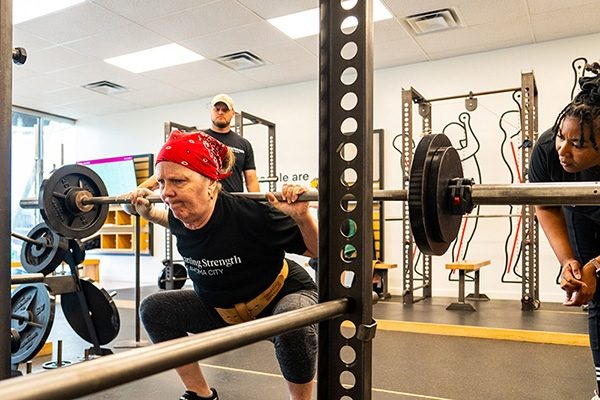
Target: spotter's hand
(578, 283)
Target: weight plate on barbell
(32, 308)
(102, 311)
(179, 277)
(36, 258)
(59, 205)
(435, 162)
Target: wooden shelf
(117, 235)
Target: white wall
(294, 108)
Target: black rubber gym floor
(405, 365)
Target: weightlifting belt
(242, 312)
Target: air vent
(241, 60)
(433, 21)
(105, 87)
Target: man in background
(222, 111)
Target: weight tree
(529, 228)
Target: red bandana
(197, 151)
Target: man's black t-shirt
(244, 158)
(240, 251)
(545, 167)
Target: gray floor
(405, 365)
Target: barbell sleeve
(18, 279)
(28, 239)
(555, 194)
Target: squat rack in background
(529, 228)
(240, 123)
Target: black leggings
(173, 314)
(585, 241)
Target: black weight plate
(32, 308)
(57, 204)
(41, 259)
(179, 272)
(103, 312)
(432, 226)
(443, 226)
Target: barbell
(73, 201)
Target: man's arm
(251, 180)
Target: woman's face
(574, 155)
(186, 192)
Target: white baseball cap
(223, 98)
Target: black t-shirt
(244, 158)
(545, 167)
(240, 251)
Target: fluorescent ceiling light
(155, 58)
(306, 23)
(24, 10)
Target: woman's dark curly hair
(585, 107)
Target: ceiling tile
(142, 10)
(158, 94)
(564, 23)
(19, 73)
(281, 52)
(492, 11)
(213, 17)
(38, 84)
(544, 6)
(226, 82)
(389, 30)
(304, 70)
(310, 43)
(474, 39)
(28, 41)
(405, 8)
(54, 58)
(82, 20)
(119, 41)
(100, 71)
(268, 9)
(69, 95)
(187, 72)
(240, 38)
(397, 52)
(100, 106)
